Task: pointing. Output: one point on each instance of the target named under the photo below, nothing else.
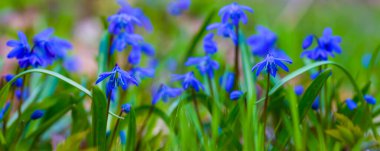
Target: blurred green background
(82, 23)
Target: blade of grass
(99, 116)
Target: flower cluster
(327, 45)
(122, 26)
(45, 50)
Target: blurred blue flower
(137, 13)
(126, 108)
(37, 114)
(270, 64)
(22, 95)
(366, 60)
(4, 110)
(351, 104)
(177, 7)
(122, 40)
(262, 42)
(49, 46)
(227, 81)
(235, 95)
(123, 137)
(209, 45)
(225, 30)
(31, 59)
(135, 54)
(316, 74)
(188, 80)
(20, 48)
(370, 99)
(327, 45)
(122, 23)
(17, 83)
(298, 90)
(315, 105)
(71, 64)
(235, 12)
(205, 65)
(118, 77)
(165, 92)
(141, 73)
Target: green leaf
(73, 142)
(156, 111)
(311, 93)
(5, 89)
(309, 67)
(99, 118)
(132, 132)
(79, 118)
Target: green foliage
(99, 119)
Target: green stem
(108, 105)
(145, 122)
(115, 129)
(266, 105)
(236, 80)
(197, 108)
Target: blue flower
(165, 92)
(235, 12)
(17, 83)
(137, 13)
(227, 81)
(177, 7)
(71, 64)
(22, 95)
(235, 95)
(118, 77)
(122, 40)
(270, 64)
(31, 59)
(351, 104)
(141, 73)
(298, 90)
(122, 22)
(126, 108)
(188, 80)
(205, 64)
(49, 46)
(135, 54)
(370, 99)
(262, 42)
(315, 105)
(327, 45)
(37, 114)
(123, 137)
(4, 110)
(209, 45)
(20, 48)
(225, 30)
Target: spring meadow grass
(189, 75)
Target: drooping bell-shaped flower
(298, 90)
(209, 46)
(370, 99)
(37, 114)
(235, 95)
